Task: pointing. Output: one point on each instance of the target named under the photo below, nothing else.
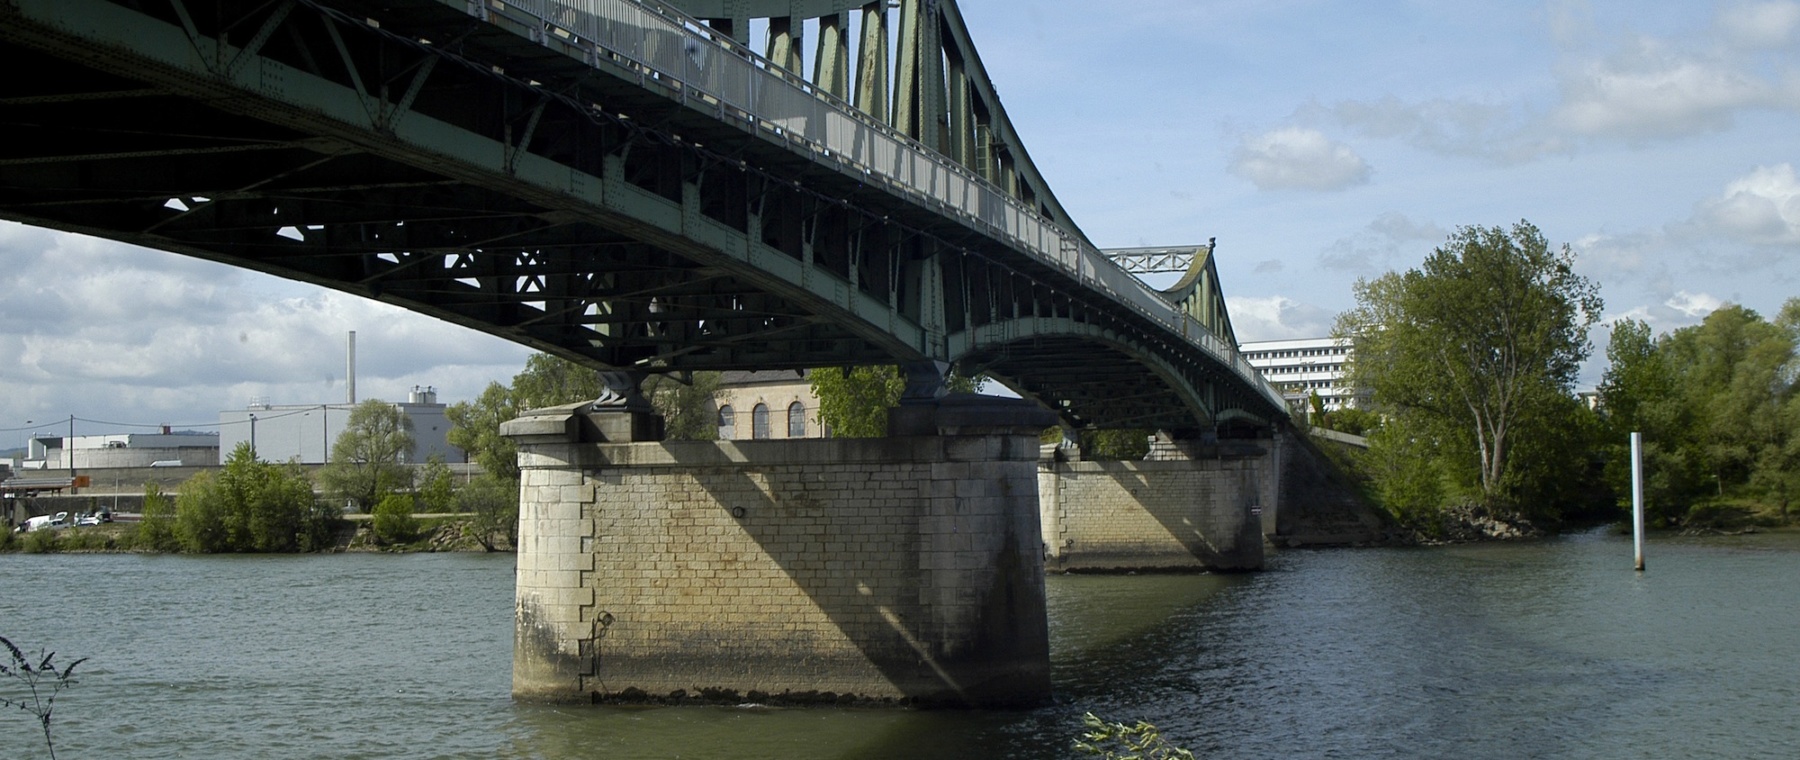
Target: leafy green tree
(494, 503)
(437, 485)
(393, 521)
(546, 381)
(1118, 445)
(475, 428)
(1406, 471)
(688, 409)
(1717, 405)
(1485, 335)
(854, 401)
(156, 521)
(251, 506)
(368, 461)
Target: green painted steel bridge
(623, 183)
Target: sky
(1319, 142)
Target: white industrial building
(1304, 366)
(94, 452)
(304, 433)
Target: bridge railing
(712, 71)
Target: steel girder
(408, 151)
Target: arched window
(796, 420)
(727, 423)
(759, 422)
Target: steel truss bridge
(623, 183)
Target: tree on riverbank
(367, 460)
(1719, 406)
(1471, 359)
(252, 506)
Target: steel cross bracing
(604, 180)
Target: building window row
(760, 428)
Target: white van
(57, 521)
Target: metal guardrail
(712, 71)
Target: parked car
(101, 516)
(57, 521)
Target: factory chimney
(350, 369)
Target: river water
(1547, 649)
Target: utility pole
(69, 450)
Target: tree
(1488, 333)
(494, 501)
(854, 401)
(687, 409)
(156, 521)
(546, 381)
(1717, 404)
(368, 460)
(251, 506)
(437, 485)
(552, 381)
(475, 428)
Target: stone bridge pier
(1189, 505)
(906, 569)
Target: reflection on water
(1552, 649)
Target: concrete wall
(120, 458)
(904, 569)
(1198, 513)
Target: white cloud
(1650, 90)
(1760, 25)
(113, 332)
(1694, 305)
(1762, 208)
(1276, 318)
(1294, 158)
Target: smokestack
(350, 369)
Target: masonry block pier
(904, 569)
(1188, 506)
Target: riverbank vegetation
(1466, 365)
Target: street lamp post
(253, 437)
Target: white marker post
(1637, 497)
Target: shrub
(394, 522)
(251, 506)
(156, 524)
(41, 542)
(437, 486)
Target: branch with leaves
(42, 681)
(1117, 741)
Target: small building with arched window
(767, 405)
